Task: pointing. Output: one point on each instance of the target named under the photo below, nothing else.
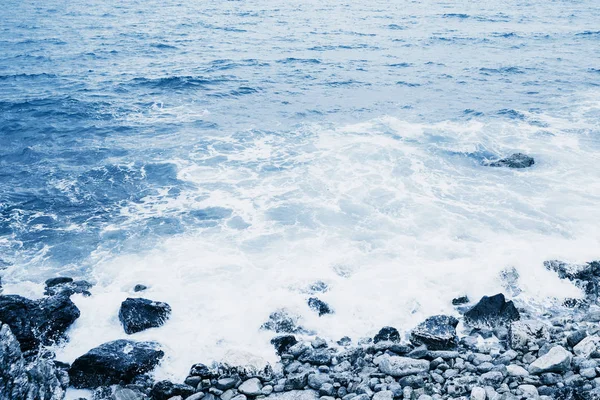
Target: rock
(283, 343)
(139, 288)
(251, 387)
(121, 393)
(66, 286)
(491, 312)
(196, 396)
(397, 366)
(588, 346)
(296, 381)
(37, 321)
(315, 381)
(319, 306)
(295, 395)
(529, 391)
(282, 322)
(516, 160)
(240, 397)
(202, 371)
(267, 390)
(522, 334)
(492, 378)
(164, 390)
(139, 314)
(318, 343)
(327, 389)
(387, 333)
(345, 341)
(556, 360)
(478, 393)
(460, 300)
(316, 357)
(227, 383)
(585, 272)
(574, 338)
(437, 333)
(516, 370)
(37, 379)
(113, 362)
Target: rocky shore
(490, 349)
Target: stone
(491, 378)
(267, 390)
(556, 360)
(316, 357)
(478, 393)
(296, 381)
(492, 311)
(121, 393)
(251, 387)
(315, 381)
(457, 301)
(164, 390)
(66, 286)
(282, 322)
(574, 338)
(345, 341)
(529, 391)
(387, 333)
(140, 314)
(195, 396)
(522, 334)
(202, 371)
(516, 370)
(19, 379)
(318, 343)
(516, 160)
(283, 343)
(587, 346)
(35, 322)
(327, 389)
(588, 373)
(295, 395)
(113, 362)
(139, 288)
(240, 397)
(398, 366)
(437, 333)
(319, 306)
(227, 383)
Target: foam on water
(397, 218)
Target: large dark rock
(137, 315)
(202, 371)
(437, 333)
(283, 343)
(492, 311)
(517, 160)
(19, 379)
(114, 362)
(319, 306)
(37, 321)
(67, 286)
(164, 390)
(387, 333)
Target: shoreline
(499, 352)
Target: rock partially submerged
(387, 333)
(516, 160)
(114, 362)
(66, 286)
(35, 322)
(319, 306)
(139, 314)
(437, 333)
(491, 312)
(283, 322)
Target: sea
(235, 155)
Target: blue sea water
(234, 152)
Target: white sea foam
(398, 218)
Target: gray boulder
(556, 360)
(437, 333)
(397, 366)
(521, 334)
(516, 160)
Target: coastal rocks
(139, 314)
(397, 366)
(556, 360)
(35, 322)
(295, 395)
(437, 333)
(283, 343)
(113, 362)
(516, 160)
(251, 387)
(387, 333)
(282, 322)
(491, 312)
(165, 390)
(522, 334)
(139, 288)
(38, 379)
(319, 306)
(584, 276)
(588, 347)
(315, 357)
(66, 286)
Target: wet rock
(296, 381)
(316, 357)
(387, 333)
(556, 360)
(478, 393)
(460, 300)
(251, 387)
(398, 366)
(139, 314)
(523, 334)
(283, 343)
(139, 288)
(121, 393)
(227, 383)
(202, 371)
(295, 395)
(113, 362)
(66, 286)
(491, 312)
(37, 321)
(315, 381)
(587, 347)
(345, 341)
(576, 337)
(37, 379)
(516, 160)
(437, 333)
(165, 390)
(282, 322)
(319, 306)
(516, 370)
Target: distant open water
(230, 153)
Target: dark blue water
(318, 134)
